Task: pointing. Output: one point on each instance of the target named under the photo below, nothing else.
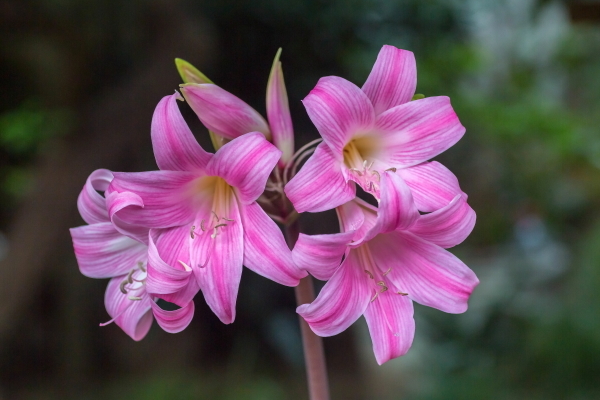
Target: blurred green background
(79, 83)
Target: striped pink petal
(429, 274)
(102, 252)
(448, 226)
(245, 163)
(265, 250)
(391, 325)
(433, 186)
(320, 184)
(173, 321)
(339, 110)
(341, 302)
(222, 112)
(321, 255)
(392, 80)
(417, 131)
(175, 147)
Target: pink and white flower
(202, 212)
(377, 128)
(103, 252)
(392, 256)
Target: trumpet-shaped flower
(392, 256)
(103, 252)
(230, 117)
(204, 220)
(377, 128)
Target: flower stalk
(314, 356)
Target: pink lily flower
(392, 257)
(230, 117)
(377, 128)
(103, 252)
(202, 212)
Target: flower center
(216, 195)
(359, 157)
(380, 283)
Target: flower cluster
(191, 225)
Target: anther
(202, 226)
(378, 176)
(383, 287)
(141, 266)
(122, 286)
(393, 169)
(216, 216)
(130, 276)
(227, 219)
(387, 272)
(402, 294)
(192, 231)
(134, 298)
(369, 273)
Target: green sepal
(418, 96)
(189, 73)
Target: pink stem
(314, 357)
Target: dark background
(79, 82)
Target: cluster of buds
(193, 224)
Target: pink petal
(429, 274)
(265, 250)
(167, 197)
(433, 186)
(245, 163)
(168, 276)
(91, 204)
(133, 316)
(320, 184)
(175, 147)
(321, 255)
(391, 325)
(118, 201)
(392, 80)
(447, 226)
(417, 131)
(173, 321)
(102, 252)
(217, 264)
(339, 110)
(222, 112)
(342, 300)
(278, 113)
(397, 209)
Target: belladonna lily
(377, 128)
(103, 252)
(229, 117)
(392, 256)
(204, 220)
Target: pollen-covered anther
(134, 298)
(192, 231)
(383, 289)
(387, 272)
(402, 293)
(393, 169)
(216, 231)
(369, 273)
